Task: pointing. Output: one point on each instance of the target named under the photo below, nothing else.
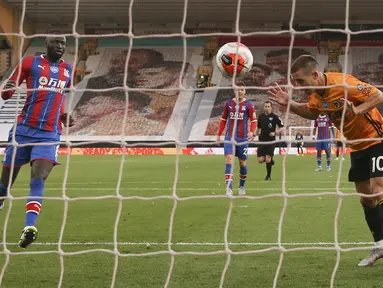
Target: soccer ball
(227, 55)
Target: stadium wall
(194, 151)
(10, 23)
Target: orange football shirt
(368, 125)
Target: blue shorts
(25, 154)
(240, 150)
(323, 146)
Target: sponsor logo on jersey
(51, 84)
(237, 115)
(365, 90)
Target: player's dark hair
(52, 34)
(56, 32)
(240, 83)
(268, 102)
(306, 62)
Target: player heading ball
(363, 123)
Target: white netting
(278, 246)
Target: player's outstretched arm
(369, 103)
(282, 98)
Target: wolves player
(363, 125)
(267, 129)
(323, 125)
(245, 113)
(299, 141)
(39, 122)
(339, 145)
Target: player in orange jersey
(362, 123)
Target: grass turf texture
(199, 226)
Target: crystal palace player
(39, 122)
(267, 129)
(323, 127)
(362, 121)
(244, 114)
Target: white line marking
(188, 182)
(198, 243)
(332, 189)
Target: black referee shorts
(265, 149)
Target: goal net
(139, 199)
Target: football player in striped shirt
(40, 122)
(323, 126)
(237, 112)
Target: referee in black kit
(267, 129)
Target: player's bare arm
(370, 103)
(222, 126)
(314, 132)
(282, 98)
(65, 121)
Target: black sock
(337, 153)
(374, 219)
(268, 168)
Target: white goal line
(198, 243)
(187, 182)
(185, 189)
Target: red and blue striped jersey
(323, 125)
(45, 100)
(245, 113)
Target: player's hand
(64, 118)
(313, 137)
(350, 107)
(279, 95)
(250, 136)
(11, 84)
(218, 140)
(272, 134)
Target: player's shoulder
(29, 59)
(65, 65)
(339, 78)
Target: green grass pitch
(199, 226)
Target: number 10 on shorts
(377, 164)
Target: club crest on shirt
(336, 104)
(271, 118)
(54, 69)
